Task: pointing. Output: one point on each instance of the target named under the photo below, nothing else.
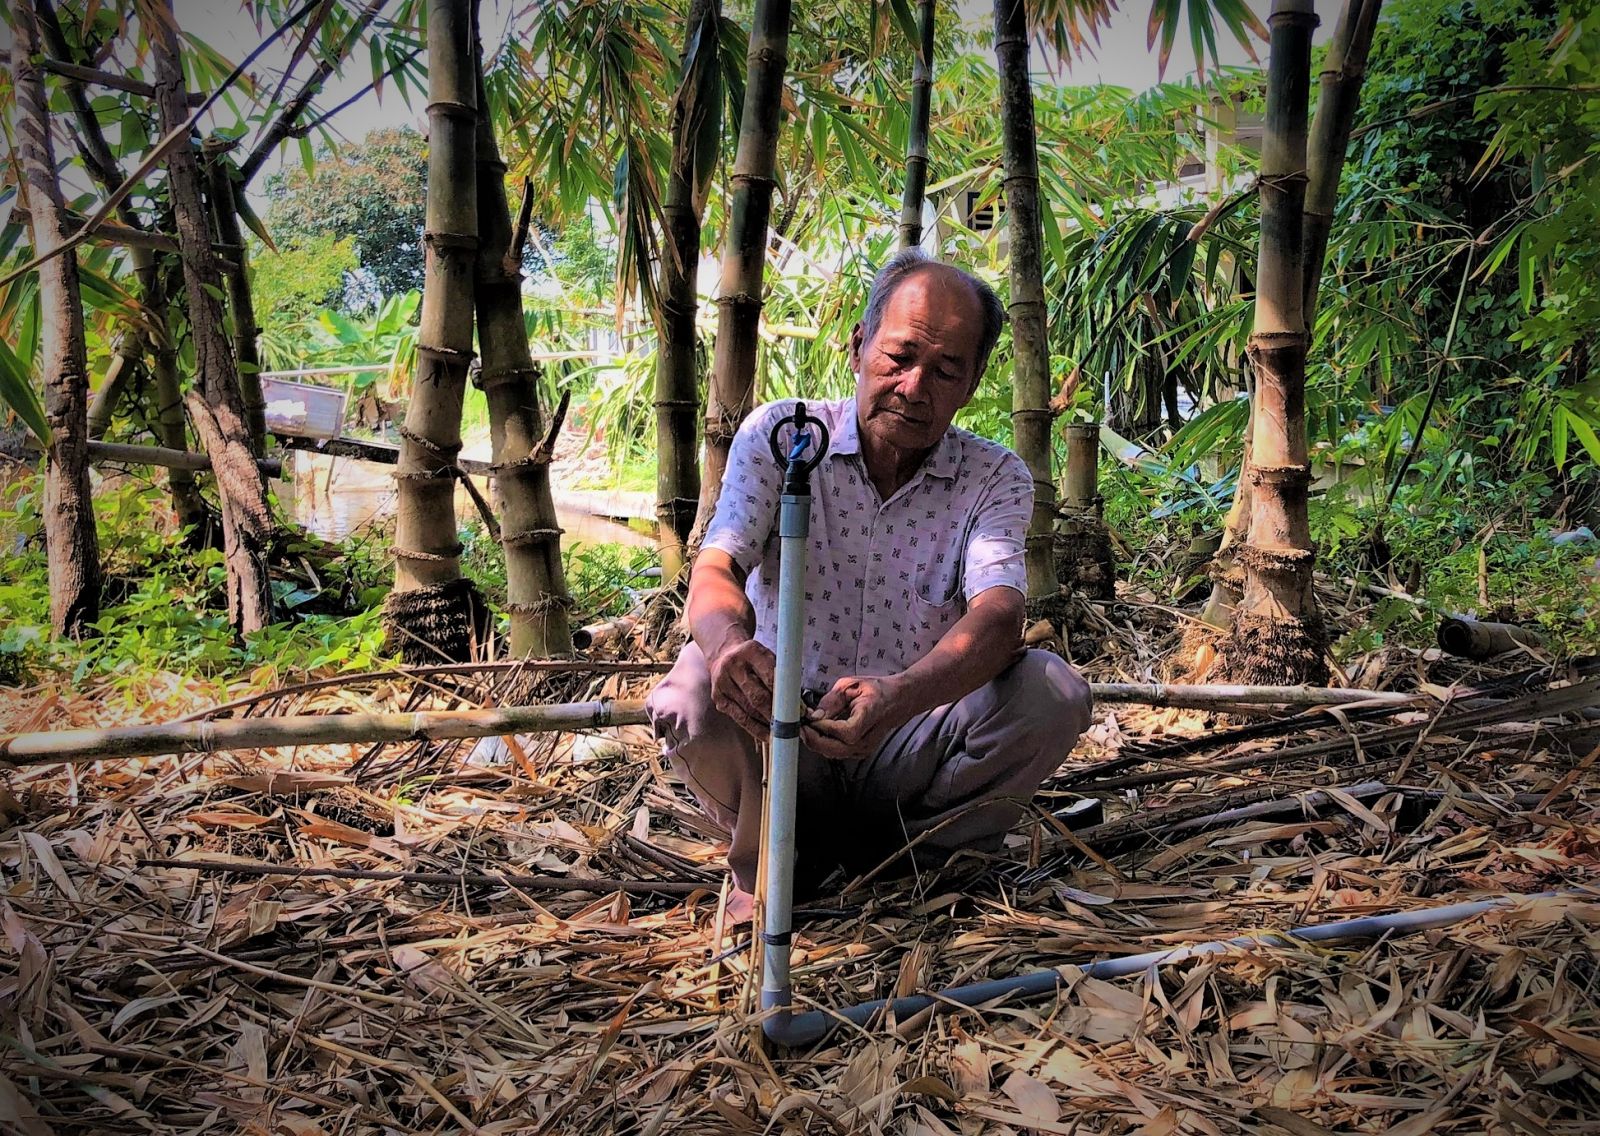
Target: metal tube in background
(813, 1026)
(794, 527)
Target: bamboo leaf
(17, 393)
(1525, 270)
(1586, 435)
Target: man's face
(922, 365)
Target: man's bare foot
(740, 909)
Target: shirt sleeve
(747, 507)
(994, 552)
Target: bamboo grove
(802, 145)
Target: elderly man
(933, 726)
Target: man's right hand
(741, 685)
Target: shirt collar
(944, 461)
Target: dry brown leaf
(228, 818)
(969, 1066)
(1033, 1098)
(1290, 1123)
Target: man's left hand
(854, 717)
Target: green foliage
(164, 604)
(582, 262)
(1484, 531)
(1453, 181)
(291, 284)
(330, 338)
(373, 193)
(603, 578)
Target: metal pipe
(804, 1029)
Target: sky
(1120, 57)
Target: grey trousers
(961, 773)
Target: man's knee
(1047, 699)
(703, 745)
(680, 709)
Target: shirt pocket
(932, 617)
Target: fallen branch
(312, 729)
(443, 725)
(1221, 696)
(1528, 707)
(169, 459)
(123, 453)
(452, 879)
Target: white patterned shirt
(884, 579)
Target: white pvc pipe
(783, 772)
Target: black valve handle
(796, 466)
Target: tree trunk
(247, 355)
(536, 586)
(1343, 70)
(696, 133)
(216, 406)
(1030, 415)
(744, 254)
(72, 550)
(187, 503)
(917, 138)
(434, 613)
(1278, 634)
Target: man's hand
(741, 685)
(855, 716)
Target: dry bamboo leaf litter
(159, 999)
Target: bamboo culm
(337, 729)
(1030, 415)
(536, 586)
(104, 169)
(696, 131)
(744, 254)
(220, 176)
(917, 140)
(1278, 634)
(215, 405)
(1343, 70)
(432, 614)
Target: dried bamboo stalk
(453, 879)
(313, 729)
(441, 725)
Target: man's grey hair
(908, 262)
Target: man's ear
(855, 347)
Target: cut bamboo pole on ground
(450, 879)
(313, 729)
(1478, 639)
(447, 725)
